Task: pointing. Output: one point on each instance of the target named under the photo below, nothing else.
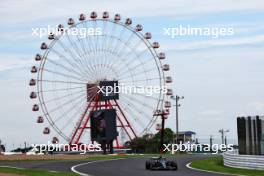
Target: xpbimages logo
(213, 32)
(82, 148)
(189, 147)
(116, 89)
(81, 32)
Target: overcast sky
(220, 78)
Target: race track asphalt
(124, 167)
(136, 167)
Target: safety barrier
(233, 159)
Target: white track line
(189, 166)
(11, 167)
(73, 168)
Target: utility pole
(177, 105)
(164, 116)
(162, 132)
(223, 137)
(211, 143)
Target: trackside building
(251, 135)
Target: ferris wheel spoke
(138, 73)
(132, 110)
(108, 56)
(109, 42)
(103, 33)
(106, 59)
(76, 64)
(85, 38)
(74, 116)
(69, 121)
(106, 68)
(109, 50)
(117, 44)
(87, 53)
(70, 70)
(54, 122)
(67, 102)
(78, 52)
(62, 74)
(89, 39)
(139, 80)
(54, 126)
(75, 48)
(102, 68)
(81, 41)
(96, 37)
(133, 49)
(88, 62)
(136, 119)
(113, 62)
(103, 36)
(62, 89)
(140, 110)
(133, 59)
(140, 64)
(62, 97)
(69, 111)
(151, 120)
(138, 101)
(146, 96)
(127, 43)
(60, 81)
(108, 47)
(92, 69)
(74, 57)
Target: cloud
(8, 62)
(202, 44)
(29, 10)
(212, 112)
(256, 107)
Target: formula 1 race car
(160, 163)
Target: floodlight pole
(162, 132)
(223, 137)
(163, 115)
(177, 105)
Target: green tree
(150, 144)
(168, 136)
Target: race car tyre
(147, 165)
(151, 166)
(174, 165)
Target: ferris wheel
(85, 52)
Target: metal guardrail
(233, 159)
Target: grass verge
(34, 172)
(24, 158)
(37, 172)
(216, 164)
